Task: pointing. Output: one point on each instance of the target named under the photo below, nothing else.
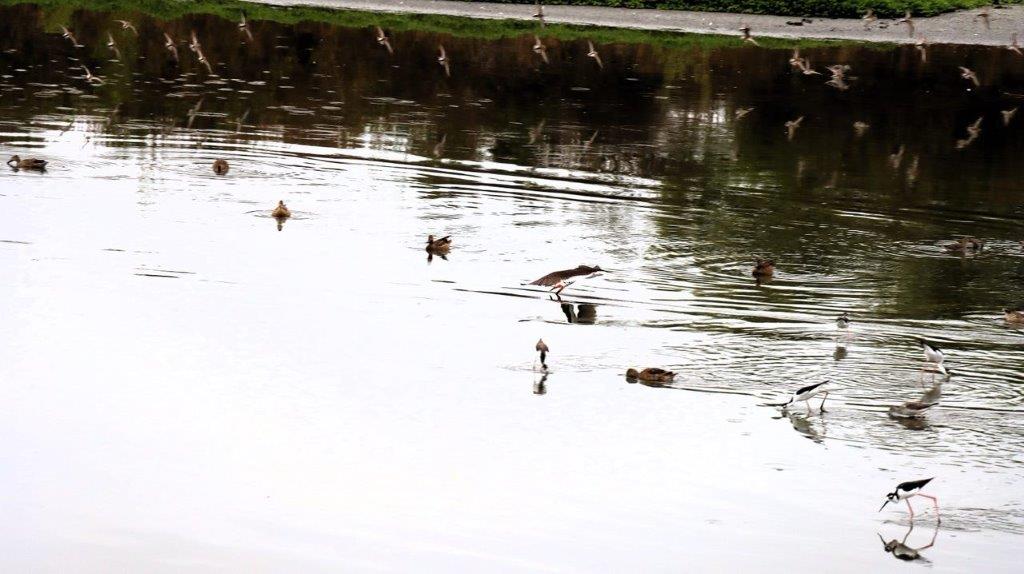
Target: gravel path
(953, 28)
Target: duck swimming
(763, 268)
(966, 244)
(1014, 315)
(653, 374)
(439, 246)
(28, 163)
(281, 211)
(220, 167)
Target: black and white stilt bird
(805, 394)
(843, 321)
(907, 490)
(900, 550)
(559, 280)
(934, 355)
(542, 348)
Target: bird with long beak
(933, 355)
(542, 348)
(805, 394)
(907, 490)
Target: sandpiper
(559, 280)
(543, 349)
(805, 394)
(907, 490)
(984, 17)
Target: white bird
(934, 355)
(243, 27)
(126, 25)
(171, 47)
(592, 53)
(907, 490)
(540, 49)
(91, 78)
(113, 46)
(805, 394)
(444, 61)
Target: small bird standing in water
(220, 167)
(903, 552)
(592, 53)
(805, 394)
(933, 355)
(968, 74)
(791, 127)
(444, 61)
(916, 409)
(28, 163)
(559, 280)
(542, 348)
(540, 49)
(907, 490)
(909, 21)
(843, 321)
(383, 40)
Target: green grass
(830, 8)
(450, 25)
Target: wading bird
(909, 21)
(933, 355)
(539, 13)
(220, 167)
(805, 394)
(542, 348)
(763, 268)
(869, 18)
(843, 321)
(559, 280)
(984, 17)
(907, 490)
(916, 409)
(903, 552)
(113, 46)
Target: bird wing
(913, 484)
(810, 388)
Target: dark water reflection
(641, 167)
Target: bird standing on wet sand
(28, 163)
(805, 394)
(383, 40)
(592, 53)
(763, 268)
(444, 61)
(126, 25)
(540, 49)
(652, 375)
(439, 246)
(791, 127)
(1008, 116)
(559, 280)
(843, 321)
(542, 348)
(170, 45)
(281, 211)
(745, 30)
(220, 167)
(907, 490)
(968, 74)
(1010, 315)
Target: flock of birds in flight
(763, 269)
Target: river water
(188, 387)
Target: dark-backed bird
(763, 267)
(903, 552)
(444, 61)
(933, 355)
(439, 246)
(984, 17)
(907, 490)
(922, 48)
(652, 375)
(539, 13)
(28, 163)
(383, 40)
(559, 280)
(1014, 46)
(916, 409)
(909, 21)
(805, 394)
(966, 244)
(843, 321)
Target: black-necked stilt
(559, 280)
(807, 393)
(843, 321)
(900, 550)
(907, 490)
(916, 409)
(542, 348)
(934, 355)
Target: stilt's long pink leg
(910, 508)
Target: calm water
(186, 388)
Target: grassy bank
(830, 8)
(451, 25)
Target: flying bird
(126, 25)
(968, 74)
(592, 53)
(170, 45)
(791, 127)
(559, 280)
(444, 61)
(383, 40)
(540, 49)
(243, 27)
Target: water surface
(189, 388)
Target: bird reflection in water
(540, 386)
(900, 550)
(280, 222)
(583, 313)
(805, 425)
(841, 351)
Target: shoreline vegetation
(807, 8)
(459, 26)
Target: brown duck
(281, 211)
(763, 268)
(28, 163)
(559, 280)
(966, 244)
(653, 375)
(220, 167)
(439, 246)
(1014, 315)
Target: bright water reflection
(154, 299)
